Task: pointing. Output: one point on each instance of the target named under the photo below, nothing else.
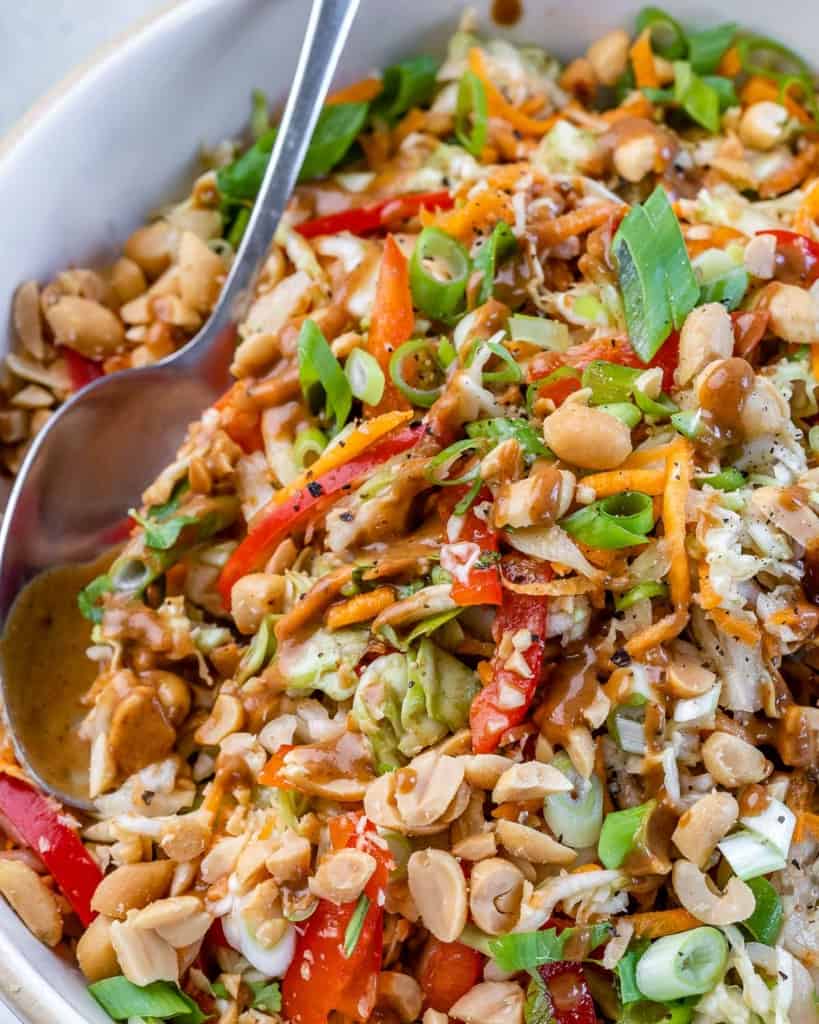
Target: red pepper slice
(320, 978)
(81, 370)
(37, 821)
(365, 220)
(275, 522)
(448, 970)
(797, 257)
(482, 585)
(612, 350)
(392, 321)
(560, 383)
(242, 424)
(506, 700)
(572, 1001)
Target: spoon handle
(327, 30)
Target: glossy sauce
(722, 395)
(506, 12)
(570, 691)
(47, 672)
(753, 800)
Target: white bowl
(87, 166)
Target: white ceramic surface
(122, 137)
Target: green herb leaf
(500, 429)
(160, 512)
(408, 84)
(88, 599)
(643, 283)
(355, 925)
(706, 48)
(698, 99)
(319, 370)
(523, 951)
(500, 244)
(639, 593)
(162, 536)
(266, 996)
(122, 999)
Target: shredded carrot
(584, 869)
(708, 597)
(759, 88)
(413, 121)
(814, 361)
(636, 105)
(730, 65)
(739, 629)
(391, 323)
(359, 92)
(678, 484)
(649, 456)
(312, 604)
(499, 106)
(806, 824)
(642, 60)
(577, 222)
(360, 608)
(649, 481)
(654, 924)
(658, 633)
(483, 210)
(790, 176)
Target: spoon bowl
(94, 458)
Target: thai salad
(463, 664)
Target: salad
(463, 664)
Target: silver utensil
(98, 453)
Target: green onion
(667, 35)
(725, 90)
(259, 114)
(687, 964)
(422, 397)
(538, 330)
(261, 650)
(510, 374)
(688, 423)
(698, 99)
(500, 429)
(365, 376)
(681, 284)
(765, 923)
(438, 294)
(626, 726)
(320, 372)
(471, 113)
(237, 228)
(750, 855)
(122, 999)
(706, 48)
(623, 411)
(466, 501)
(659, 408)
(523, 951)
(500, 244)
(623, 832)
(641, 592)
(89, 598)
(609, 382)
(446, 353)
(761, 55)
(729, 479)
(356, 923)
(438, 466)
(336, 130)
(643, 283)
(266, 996)
(308, 446)
(408, 84)
(577, 817)
(729, 289)
(626, 972)
(619, 521)
(162, 536)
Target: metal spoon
(99, 452)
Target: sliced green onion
(761, 55)
(539, 330)
(577, 817)
(667, 35)
(725, 90)
(706, 48)
(641, 592)
(619, 521)
(437, 467)
(500, 429)
(410, 83)
(422, 397)
(813, 439)
(750, 855)
(623, 411)
(659, 408)
(626, 726)
(259, 115)
(687, 964)
(643, 284)
(122, 999)
(261, 650)
(510, 374)
(694, 709)
(365, 376)
(321, 373)
(688, 423)
(729, 289)
(626, 972)
(438, 291)
(765, 923)
(776, 823)
(471, 113)
(89, 598)
(446, 353)
(524, 951)
(729, 479)
(355, 925)
(699, 100)
(308, 446)
(623, 832)
(237, 228)
(681, 285)
(609, 382)
(500, 244)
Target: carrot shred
(814, 361)
(730, 65)
(648, 456)
(649, 481)
(804, 220)
(654, 924)
(499, 106)
(359, 92)
(483, 210)
(577, 222)
(759, 88)
(636, 105)
(708, 597)
(739, 629)
(678, 484)
(806, 824)
(360, 608)
(790, 176)
(642, 60)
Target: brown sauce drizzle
(570, 691)
(506, 12)
(723, 393)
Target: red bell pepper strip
(365, 220)
(393, 319)
(612, 350)
(560, 383)
(482, 585)
(37, 821)
(448, 970)
(320, 978)
(506, 700)
(81, 370)
(273, 524)
(571, 998)
(797, 257)
(242, 424)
